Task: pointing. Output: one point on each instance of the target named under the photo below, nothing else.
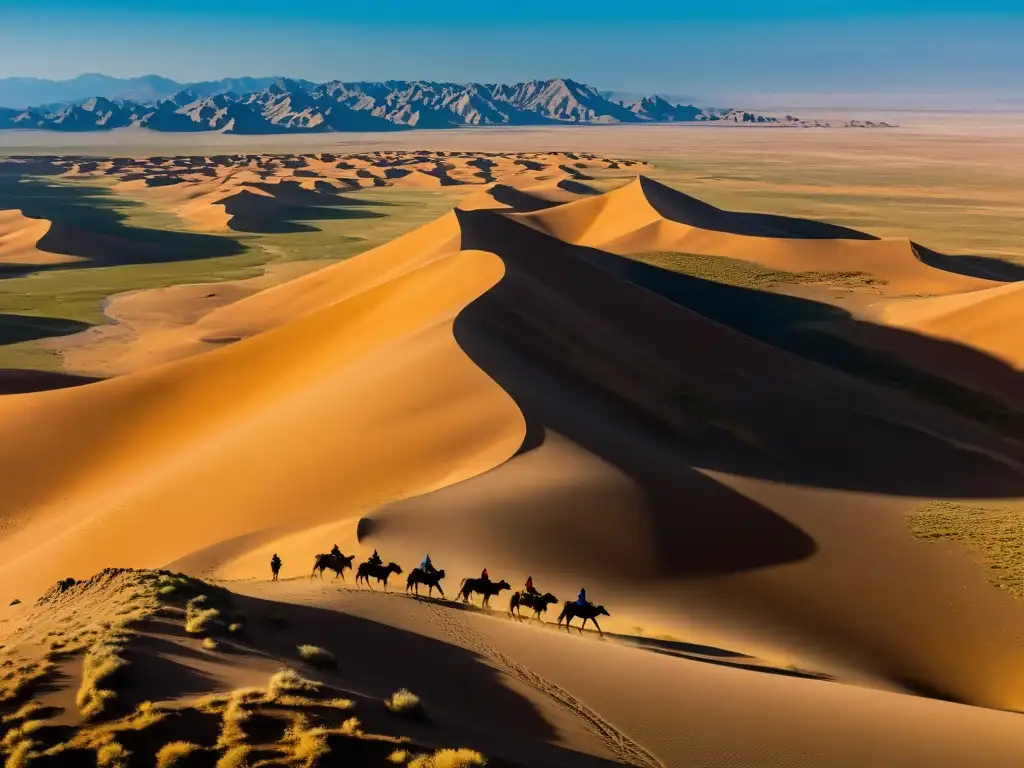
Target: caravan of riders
(427, 575)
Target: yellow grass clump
(199, 619)
(306, 745)
(19, 756)
(209, 644)
(231, 731)
(173, 753)
(235, 757)
(450, 758)
(112, 755)
(317, 656)
(102, 660)
(399, 757)
(289, 681)
(403, 701)
(352, 727)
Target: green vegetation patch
(995, 533)
(745, 274)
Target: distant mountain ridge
(283, 105)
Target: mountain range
(283, 105)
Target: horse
(586, 612)
(432, 580)
(486, 588)
(329, 562)
(539, 604)
(379, 572)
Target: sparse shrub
(15, 601)
(339, 703)
(289, 681)
(399, 757)
(231, 732)
(404, 702)
(236, 628)
(19, 755)
(235, 757)
(101, 661)
(450, 758)
(210, 644)
(199, 619)
(306, 744)
(112, 755)
(352, 727)
(317, 656)
(173, 753)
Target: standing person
(275, 566)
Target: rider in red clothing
(484, 576)
(530, 589)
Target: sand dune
(19, 239)
(502, 387)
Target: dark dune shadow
(621, 358)
(481, 713)
(985, 267)
(325, 195)
(89, 223)
(17, 328)
(577, 188)
(519, 201)
(258, 213)
(15, 381)
(680, 207)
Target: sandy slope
(19, 239)
(500, 388)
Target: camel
(432, 580)
(329, 562)
(379, 572)
(586, 612)
(487, 588)
(539, 604)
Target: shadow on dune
(18, 328)
(680, 207)
(16, 381)
(985, 267)
(519, 201)
(658, 372)
(89, 223)
(261, 214)
(469, 702)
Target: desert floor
(759, 390)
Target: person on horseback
(275, 566)
(484, 576)
(375, 559)
(426, 566)
(335, 552)
(530, 589)
(582, 599)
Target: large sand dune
(503, 387)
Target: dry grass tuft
(198, 618)
(306, 745)
(289, 681)
(112, 755)
(450, 758)
(172, 754)
(210, 644)
(231, 732)
(352, 727)
(404, 702)
(235, 757)
(318, 657)
(19, 756)
(102, 660)
(24, 712)
(399, 757)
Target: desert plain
(759, 390)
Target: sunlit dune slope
(19, 239)
(366, 401)
(647, 216)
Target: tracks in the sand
(619, 744)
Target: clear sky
(701, 47)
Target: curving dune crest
(19, 240)
(500, 386)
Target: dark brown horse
(329, 562)
(432, 580)
(539, 604)
(586, 612)
(487, 588)
(379, 572)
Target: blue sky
(701, 47)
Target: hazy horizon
(904, 48)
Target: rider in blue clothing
(582, 599)
(426, 566)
